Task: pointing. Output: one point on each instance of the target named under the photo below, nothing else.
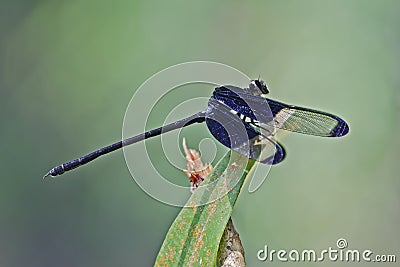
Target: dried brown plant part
(196, 170)
(231, 251)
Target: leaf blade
(193, 238)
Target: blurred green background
(68, 70)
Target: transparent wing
(286, 117)
(307, 121)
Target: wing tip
(280, 155)
(341, 129)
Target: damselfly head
(260, 85)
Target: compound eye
(256, 85)
(262, 86)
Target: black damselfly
(232, 108)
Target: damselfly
(237, 116)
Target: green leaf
(193, 238)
